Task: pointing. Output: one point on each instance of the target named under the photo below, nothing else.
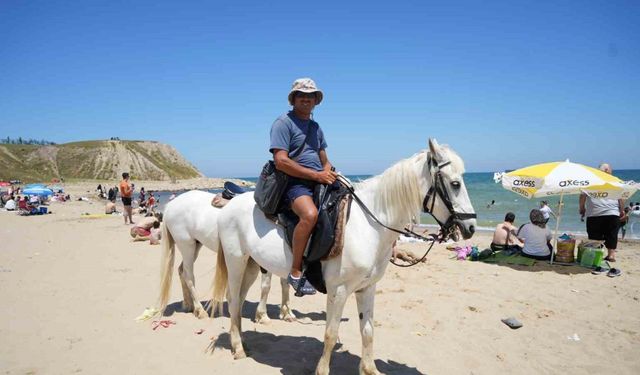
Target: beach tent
(563, 178)
(37, 190)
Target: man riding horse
(297, 133)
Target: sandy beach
(72, 286)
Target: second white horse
(190, 221)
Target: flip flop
(161, 323)
(614, 272)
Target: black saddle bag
(269, 188)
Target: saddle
(230, 190)
(326, 241)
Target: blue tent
(37, 190)
(34, 186)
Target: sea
(483, 190)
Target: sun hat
(306, 85)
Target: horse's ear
(434, 148)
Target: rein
(406, 232)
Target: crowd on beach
(24, 203)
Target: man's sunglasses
(305, 95)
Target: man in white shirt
(10, 205)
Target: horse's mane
(398, 189)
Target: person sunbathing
(504, 237)
(141, 230)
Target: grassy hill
(144, 160)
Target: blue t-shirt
(288, 133)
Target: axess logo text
(577, 183)
(524, 183)
(521, 191)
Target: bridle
(438, 189)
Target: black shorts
(604, 228)
(126, 201)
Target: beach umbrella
(38, 190)
(563, 178)
(4, 183)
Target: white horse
(430, 180)
(190, 221)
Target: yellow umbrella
(561, 178)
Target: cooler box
(43, 210)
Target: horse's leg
(187, 251)
(236, 269)
(286, 313)
(336, 299)
(189, 281)
(365, 299)
(187, 301)
(261, 311)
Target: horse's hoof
(369, 370)
(263, 319)
(239, 354)
(200, 313)
(289, 318)
(287, 315)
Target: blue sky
(505, 83)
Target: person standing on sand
(546, 211)
(603, 220)
(295, 132)
(125, 192)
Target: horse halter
(438, 189)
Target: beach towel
(95, 216)
(505, 258)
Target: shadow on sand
(296, 355)
(544, 266)
(249, 311)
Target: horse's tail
(219, 282)
(166, 267)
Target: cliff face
(144, 160)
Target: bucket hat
(306, 85)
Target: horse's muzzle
(467, 227)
